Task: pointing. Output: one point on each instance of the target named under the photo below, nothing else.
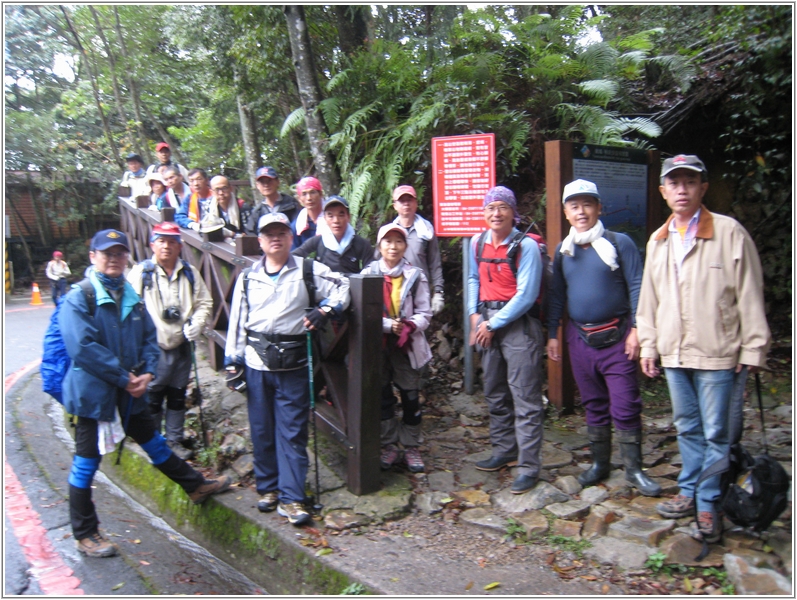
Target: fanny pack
(602, 335)
(279, 352)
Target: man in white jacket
(270, 312)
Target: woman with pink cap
(56, 271)
(309, 221)
(407, 313)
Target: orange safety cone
(36, 300)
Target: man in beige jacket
(701, 311)
(179, 303)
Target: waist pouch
(279, 352)
(602, 335)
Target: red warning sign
(463, 168)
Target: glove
(438, 303)
(191, 331)
(235, 378)
(193, 225)
(318, 319)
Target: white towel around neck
(594, 236)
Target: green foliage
(655, 563)
(514, 530)
(569, 544)
(354, 589)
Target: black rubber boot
(631, 451)
(600, 443)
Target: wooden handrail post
(365, 383)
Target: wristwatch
(489, 327)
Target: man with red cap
(309, 221)
(165, 160)
(274, 201)
(422, 248)
(57, 271)
(179, 303)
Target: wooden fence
(350, 362)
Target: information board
(463, 168)
(621, 175)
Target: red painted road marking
(13, 310)
(46, 565)
(14, 377)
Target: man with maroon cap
(310, 218)
(701, 312)
(274, 201)
(164, 154)
(179, 303)
(422, 248)
(508, 339)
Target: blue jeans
(279, 409)
(701, 410)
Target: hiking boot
(210, 487)
(496, 463)
(523, 483)
(97, 546)
(412, 456)
(179, 450)
(708, 527)
(268, 501)
(295, 511)
(677, 507)
(389, 456)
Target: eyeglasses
(114, 255)
(225, 188)
(494, 208)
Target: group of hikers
(696, 309)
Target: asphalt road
(39, 551)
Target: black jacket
(357, 256)
(287, 205)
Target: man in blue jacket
(112, 343)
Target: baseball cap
(211, 224)
(161, 146)
(108, 238)
(683, 161)
(271, 218)
(134, 156)
(167, 228)
(404, 189)
(334, 199)
(308, 183)
(58, 254)
(385, 229)
(270, 172)
(580, 187)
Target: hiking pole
(317, 506)
(199, 396)
(134, 371)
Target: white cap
(580, 187)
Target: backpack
(55, 361)
(149, 269)
(513, 258)
(753, 490)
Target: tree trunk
(248, 133)
(310, 94)
(95, 88)
(352, 27)
(164, 135)
(134, 93)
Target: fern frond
(293, 121)
(601, 91)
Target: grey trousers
(513, 391)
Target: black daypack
(754, 490)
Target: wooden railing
(350, 362)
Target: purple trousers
(607, 381)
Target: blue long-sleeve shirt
(592, 292)
(529, 274)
